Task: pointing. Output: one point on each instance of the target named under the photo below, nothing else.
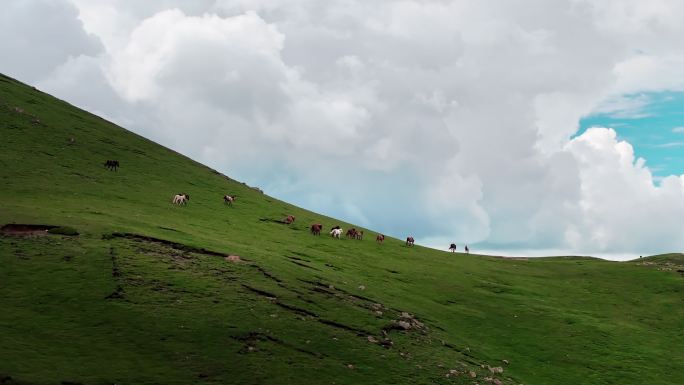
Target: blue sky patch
(652, 122)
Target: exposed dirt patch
(25, 230)
(175, 245)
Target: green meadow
(153, 293)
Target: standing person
(467, 250)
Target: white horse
(335, 233)
(180, 199)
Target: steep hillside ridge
(149, 292)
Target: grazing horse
(467, 250)
(181, 199)
(290, 219)
(380, 238)
(452, 248)
(359, 235)
(316, 229)
(229, 199)
(409, 241)
(111, 165)
(351, 233)
(335, 233)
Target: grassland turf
(146, 293)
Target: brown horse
(229, 199)
(409, 241)
(351, 233)
(290, 219)
(359, 235)
(380, 238)
(316, 229)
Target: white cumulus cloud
(451, 121)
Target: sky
(520, 127)
(655, 127)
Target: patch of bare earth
(25, 230)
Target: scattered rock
(496, 370)
(361, 287)
(472, 374)
(505, 362)
(233, 258)
(407, 321)
(350, 366)
(372, 340)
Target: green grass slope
(145, 294)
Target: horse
(181, 199)
(380, 238)
(335, 233)
(229, 199)
(316, 229)
(290, 219)
(452, 248)
(467, 250)
(409, 241)
(111, 165)
(351, 233)
(359, 235)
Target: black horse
(111, 165)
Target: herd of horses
(182, 199)
(316, 228)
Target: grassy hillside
(146, 294)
